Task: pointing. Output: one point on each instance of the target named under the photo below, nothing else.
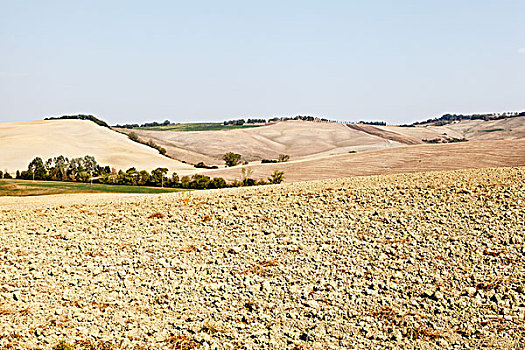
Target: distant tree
(246, 173)
(283, 158)
(175, 178)
(200, 181)
(185, 181)
(231, 159)
(158, 176)
(143, 178)
(277, 177)
(7, 175)
(248, 182)
(1, 174)
(37, 168)
(218, 182)
(90, 164)
(133, 136)
(60, 169)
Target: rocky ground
(433, 260)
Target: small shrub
(204, 166)
(133, 136)
(277, 177)
(283, 158)
(231, 159)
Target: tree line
(81, 117)
(134, 137)
(86, 169)
(5, 175)
(145, 125)
(450, 118)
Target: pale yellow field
(21, 142)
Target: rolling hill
(299, 139)
(406, 159)
(317, 150)
(21, 142)
(308, 140)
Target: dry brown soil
(418, 261)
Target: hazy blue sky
(133, 61)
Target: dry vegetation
(431, 260)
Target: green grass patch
(197, 127)
(492, 130)
(38, 188)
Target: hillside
(472, 130)
(406, 159)
(299, 139)
(420, 261)
(21, 142)
(307, 140)
(317, 149)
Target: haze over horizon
(129, 62)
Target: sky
(137, 61)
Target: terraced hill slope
(420, 261)
(21, 142)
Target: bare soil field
(21, 142)
(407, 261)
(417, 158)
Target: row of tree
(145, 125)
(233, 159)
(379, 123)
(449, 118)
(243, 121)
(134, 137)
(81, 117)
(5, 175)
(87, 169)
